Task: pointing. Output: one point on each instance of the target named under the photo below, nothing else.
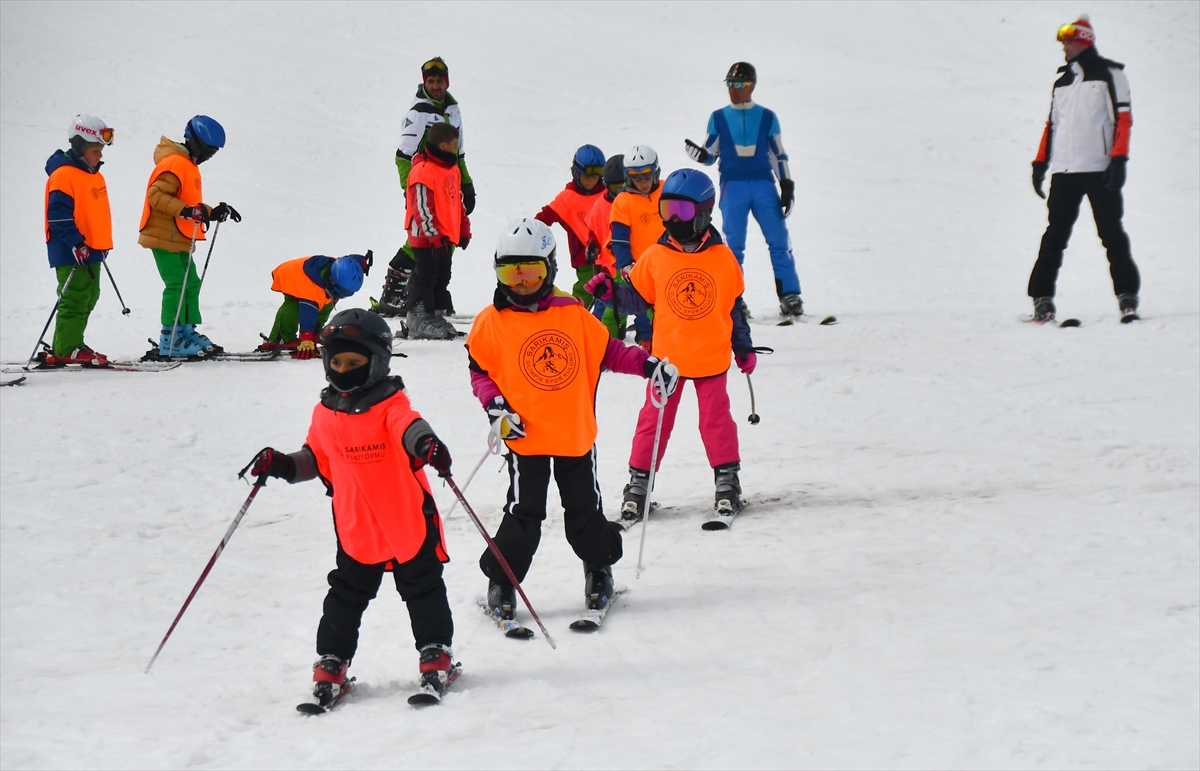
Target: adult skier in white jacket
(1085, 148)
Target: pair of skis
(427, 696)
(721, 519)
(591, 619)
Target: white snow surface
(972, 542)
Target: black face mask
(449, 159)
(683, 232)
(348, 381)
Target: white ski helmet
(526, 240)
(89, 130)
(639, 160)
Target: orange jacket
(640, 214)
(434, 205)
(291, 279)
(190, 192)
(93, 219)
(570, 209)
(377, 496)
(693, 295)
(599, 222)
(547, 365)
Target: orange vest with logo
(377, 497)
(547, 365)
(191, 192)
(692, 294)
(599, 222)
(290, 278)
(90, 194)
(445, 184)
(572, 207)
(640, 213)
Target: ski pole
(658, 391)
(753, 415)
(500, 558)
(183, 290)
(212, 242)
(124, 308)
(493, 449)
(53, 311)
(258, 485)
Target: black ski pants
(1108, 207)
(430, 281)
(595, 540)
(352, 585)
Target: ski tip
(829, 321)
(1130, 318)
(715, 524)
(423, 699)
(520, 633)
(1071, 323)
(584, 625)
(308, 708)
(786, 323)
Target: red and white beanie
(1083, 33)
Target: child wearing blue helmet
(311, 287)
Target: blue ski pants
(738, 199)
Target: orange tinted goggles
(644, 173)
(521, 273)
(1067, 32)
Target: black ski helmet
(742, 71)
(363, 332)
(614, 171)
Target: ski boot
(436, 664)
(191, 333)
(502, 601)
(426, 326)
(729, 489)
(790, 305)
(597, 586)
(277, 345)
(391, 300)
(634, 504)
(1043, 310)
(447, 327)
(184, 347)
(1129, 307)
(82, 355)
(329, 678)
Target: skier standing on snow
(1085, 147)
(745, 138)
(368, 446)
(311, 287)
(694, 284)
(172, 213)
(535, 357)
(436, 222)
(599, 248)
(432, 104)
(570, 208)
(78, 237)
(635, 224)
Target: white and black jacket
(1090, 118)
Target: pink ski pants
(717, 427)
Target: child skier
(599, 251)
(172, 213)
(368, 446)
(693, 282)
(570, 209)
(78, 238)
(636, 225)
(535, 357)
(311, 287)
(436, 220)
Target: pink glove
(746, 362)
(599, 286)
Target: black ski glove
(368, 261)
(1114, 175)
(695, 151)
(197, 213)
(787, 195)
(273, 463)
(224, 211)
(431, 450)
(593, 251)
(440, 250)
(1039, 178)
(468, 193)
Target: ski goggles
(590, 171)
(669, 208)
(103, 136)
(434, 67)
(738, 83)
(521, 273)
(1075, 32)
(645, 173)
(354, 332)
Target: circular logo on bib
(691, 294)
(549, 360)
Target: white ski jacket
(1090, 117)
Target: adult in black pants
(1085, 148)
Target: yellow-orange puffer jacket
(160, 231)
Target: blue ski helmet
(203, 136)
(588, 159)
(694, 186)
(346, 275)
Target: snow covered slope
(973, 543)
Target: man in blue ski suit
(745, 137)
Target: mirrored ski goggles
(669, 208)
(645, 173)
(434, 64)
(590, 171)
(353, 331)
(738, 83)
(104, 135)
(1067, 32)
(521, 273)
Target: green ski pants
(287, 320)
(76, 306)
(171, 266)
